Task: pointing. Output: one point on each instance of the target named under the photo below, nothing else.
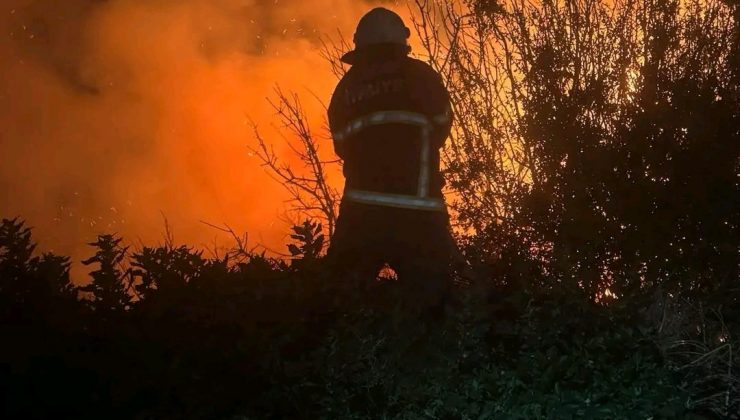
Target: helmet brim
(350, 57)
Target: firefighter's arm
(336, 123)
(443, 116)
(442, 122)
(434, 100)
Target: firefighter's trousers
(417, 245)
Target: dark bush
(202, 338)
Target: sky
(117, 113)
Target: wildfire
(116, 113)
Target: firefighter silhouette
(389, 116)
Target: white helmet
(379, 26)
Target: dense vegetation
(595, 175)
(175, 335)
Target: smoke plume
(114, 112)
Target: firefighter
(389, 116)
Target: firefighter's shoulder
(422, 69)
(338, 97)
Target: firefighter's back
(387, 157)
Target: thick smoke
(116, 112)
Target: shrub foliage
(167, 333)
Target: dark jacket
(386, 157)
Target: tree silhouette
(34, 285)
(165, 269)
(111, 283)
(310, 241)
(599, 138)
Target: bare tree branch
(311, 195)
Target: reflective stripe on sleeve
(423, 188)
(395, 200)
(443, 118)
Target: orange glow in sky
(115, 113)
